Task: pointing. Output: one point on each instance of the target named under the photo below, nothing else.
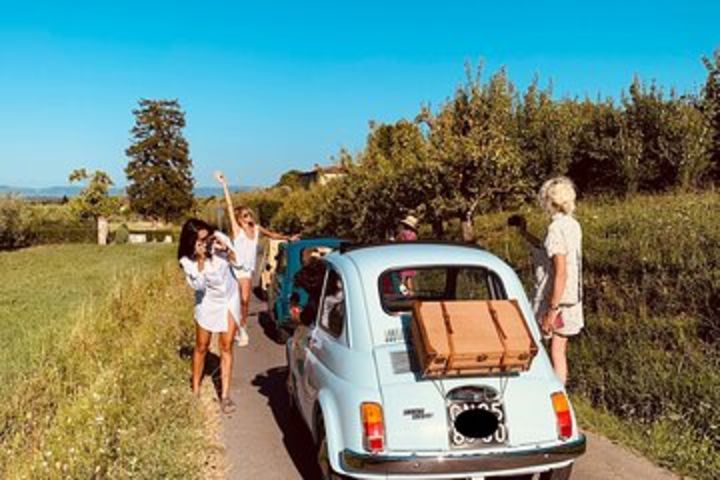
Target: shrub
(15, 223)
(156, 235)
(122, 234)
(23, 224)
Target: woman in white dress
(245, 236)
(206, 257)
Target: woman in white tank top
(245, 236)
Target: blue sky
(269, 88)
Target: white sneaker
(241, 338)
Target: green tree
(94, 200)
(476, 163)
(290, 179)
(711, 108)
(393, 171)
(382, 184)
(546, 134)
(647, 113)
(628, 154)
(686, 143)
(160, 168)
(594, 168)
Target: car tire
(557, 474)
(323, 456)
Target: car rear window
(400, 287)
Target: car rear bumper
(486, 463)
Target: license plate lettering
(458, 440)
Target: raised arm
(225, 245)
(519, 222)
(234, 226)
(277, 236)
(530, 238)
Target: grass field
(646, 370)
(44, 288)
(92, 382)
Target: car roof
(375, 259)
(316, 242)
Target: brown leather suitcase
(520, 347)
(456, 338)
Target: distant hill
(217, 191)
(72, 190)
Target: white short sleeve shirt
(564, 237)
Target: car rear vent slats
(401, 362)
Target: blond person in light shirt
(557, 263)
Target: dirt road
(263, 442)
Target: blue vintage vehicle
(282, 292)
(353, 377)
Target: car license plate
(498, 437)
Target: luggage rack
(471, 375)
(417, 370)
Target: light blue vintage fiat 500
(354, 378)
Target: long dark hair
(188, 237)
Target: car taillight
(563, 415)
(373, 427)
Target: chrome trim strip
(353, 462)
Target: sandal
(227, 405)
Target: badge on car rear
(417, 413)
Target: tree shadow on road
(270, 329)
(297, 439)
(260, 294)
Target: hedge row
(23, 224)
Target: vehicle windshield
(400, 288)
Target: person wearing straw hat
(407, 232)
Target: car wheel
(557, 474)
(323, 455)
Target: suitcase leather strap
(496, 321)
(449, 329)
